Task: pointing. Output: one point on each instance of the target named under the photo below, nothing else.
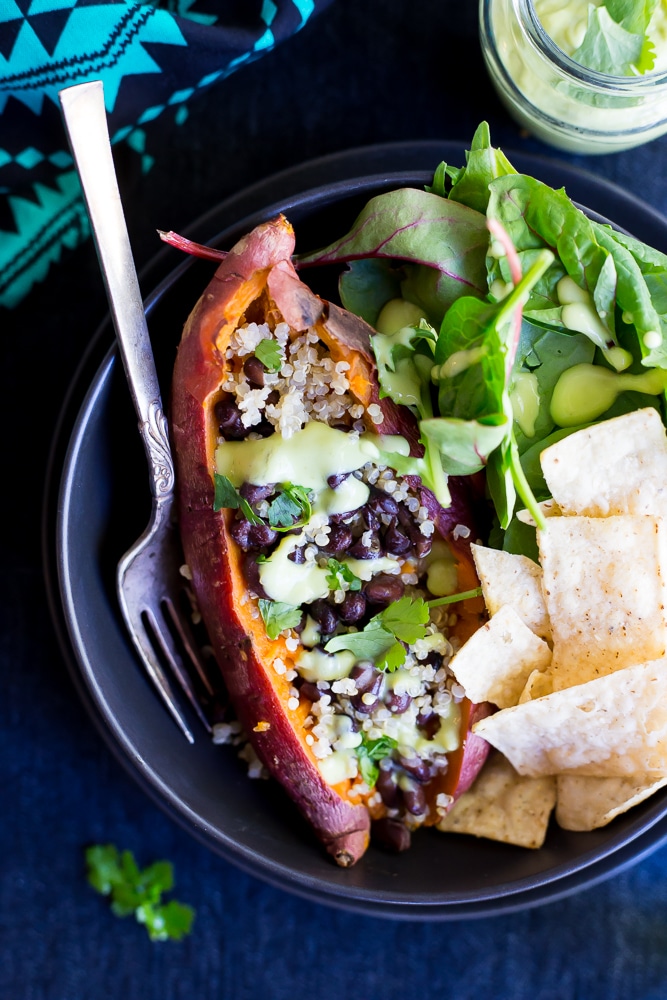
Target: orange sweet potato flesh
(257, 275)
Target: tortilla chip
(614, 726)
(497, 660)
(539, 684)
(589, 803)
(604, 585)
(512, 579)
(618, 466)
(503, 806)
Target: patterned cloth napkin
(153, 57)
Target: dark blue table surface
(359, 74)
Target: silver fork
(149, 583)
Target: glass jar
(558, 100)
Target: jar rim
(544, 43)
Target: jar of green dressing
(532, 47)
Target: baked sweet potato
(321, 731)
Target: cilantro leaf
(392, 658)
(133, 891)
(270, 353)
(369, 644)
(278, 617)
(291, 508)
(371, 751)
(340, 573)
(228, 497)
(170, 920)
(406, 619)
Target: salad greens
(484, 360)
(138, 892)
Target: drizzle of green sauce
(584, 392)
(525, 399)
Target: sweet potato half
(257, 282)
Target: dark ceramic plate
(97, 503)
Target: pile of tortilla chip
(574, 654)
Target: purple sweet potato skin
(342, 827)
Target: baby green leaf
(421, 227)
(340, 573)
(270, 353)
(369, 752)
(291, 507)
(227, 496)
(406, 618)
(278, 617)
(369, 644)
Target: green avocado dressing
(308, 458)
(584, 392)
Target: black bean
(396, 541)
(405, 517)
(340, 538)
(310, 691)
(297, 555)
(383, 503)
(413, 797)
(398, 703)
(239, 532)
(389, 791)
(390, 834)
(228, 416)
(254, 493)
(369, 681)
(420, 770)
(371, 518)
(333, 482)
(365, 675)
(423, 545)
(324, 615)
(251, 573)
(254, 370)
(370, 549)
(353, 607)
(429, 723)
(261, 535)
(384, 589)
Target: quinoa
(412, 708)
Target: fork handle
(86, 123)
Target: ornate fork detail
(149, 584)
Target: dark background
(360, 73)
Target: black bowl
(102, 505)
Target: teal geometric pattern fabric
(153, 58)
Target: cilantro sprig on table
(136, 892)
